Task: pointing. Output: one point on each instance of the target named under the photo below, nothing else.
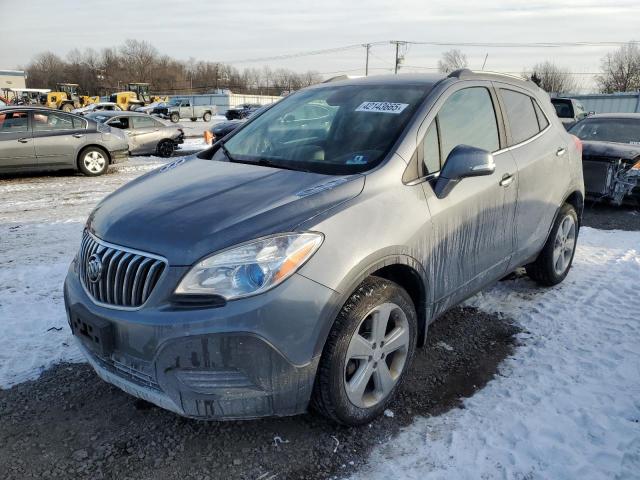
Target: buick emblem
(94, 268)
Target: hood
(628, 153)
(192, 207)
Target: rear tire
(174, 117)
(555, 260)
(367, 353)
(206, 117)
(165, 148)
(93, 161)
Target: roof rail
(337, 78)
(463, 73)
(460, 73)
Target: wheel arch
(576, 199)
(402, 269)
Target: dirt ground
(70, 424)
(611, 217)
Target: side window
(47, 121)
(186, 102)
(143, 122)
(521, 115)
(120, 122)
(468, 118)
(543, 122)
(14, 122)
(431, 149)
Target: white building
(12, 79)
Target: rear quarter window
(521, 115)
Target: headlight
(250, 268)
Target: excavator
(137, 95)
(66, 98)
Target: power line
(435, 44)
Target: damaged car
(297, 265)
(610, 156)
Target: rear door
(16, 142)
(535, 148)
(58, 137)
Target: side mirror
(463, 161)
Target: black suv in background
(242, 111)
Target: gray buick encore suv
(300, 261)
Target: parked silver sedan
(38, 138)
(147, 135)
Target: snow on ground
(567, 404)
(196, 129)
(41, 221)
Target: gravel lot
(70, 424)
(610, 217)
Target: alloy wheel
(94, 161)
(564, 245)
(376, 355)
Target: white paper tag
(382, 107)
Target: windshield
(175, 102)
(618, 130)
(334, 130)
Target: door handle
(507, 178)
(561, 151)
(23, 140)
(78, 135)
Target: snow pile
(567, 404)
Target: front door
(57, 137)
(16, 142)
(473, 226)
(144, 134)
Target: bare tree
(139, 57)
(620, 70)
(452, 60)
(552, 78)
(112, 68)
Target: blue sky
(233, 31)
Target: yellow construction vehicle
(136, 96)
(66, 98)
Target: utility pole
(397, 43)
(366, 64)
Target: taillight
(578, 143)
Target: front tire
(165, 148)
(93, 161)
(555, 260)
(369, 349)
(174, 117)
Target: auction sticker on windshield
(382, 107)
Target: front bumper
(119, 156)
(250, 358)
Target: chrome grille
(126, 277)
